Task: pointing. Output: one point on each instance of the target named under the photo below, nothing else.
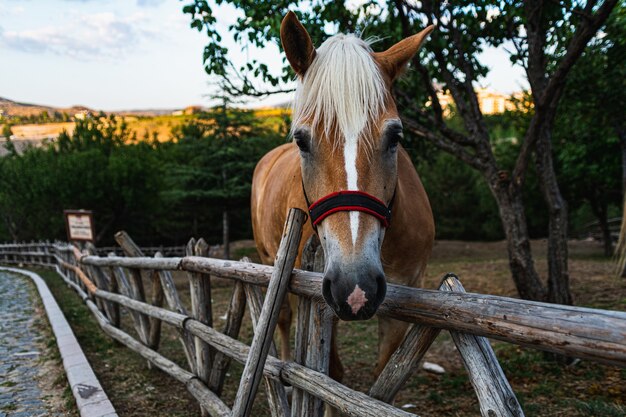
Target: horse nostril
(327, 294)
(382, 288)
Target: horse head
(346, 125)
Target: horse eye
(303, 141)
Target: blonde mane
(342, 90)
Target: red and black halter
(349, 201)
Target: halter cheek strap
(349, 201)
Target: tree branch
(585, 31)
(445, 144)
(547, 103)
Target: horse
(346, 166)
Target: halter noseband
(349, 201)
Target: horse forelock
(343, 91)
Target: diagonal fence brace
(263, 335)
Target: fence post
(494, 393)
(313, 334)
(234, 316)
(201, 310)
(283, 268)
(136, 283)
(173, 301)
(276, 395)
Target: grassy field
(144, 127)
(544, 387)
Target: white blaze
(349, 153)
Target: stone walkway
(19, 392)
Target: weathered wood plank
(348, 401)
(82, 278)
(112, 287)
(283, 266)
(201, 393)
(136, 282)
(317, 328)
(404, 362)
(119, 276)
(200, 292)
(495, 395)
(103, 281)
(90, 271)
(156, 299)
(174, 303)
(592, 334)
(317, 353)
(199, 285)
(302, 340)
(234, 317)
(169, 264)
(276, 395)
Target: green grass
(133, 389)
(241, 252)
(600, 408)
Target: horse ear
(394, 60)
(296, 43)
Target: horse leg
(284, 327)
(390, 335)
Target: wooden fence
(106, 283)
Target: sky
(132, 54)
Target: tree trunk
(226, 234)
(558, 275)
(621, 133)
(600, 211)
(511, 208)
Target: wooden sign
(79, 225)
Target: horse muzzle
(354, 296)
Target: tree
(7, 132)
(212, 165)
(94, 168)
(590, 122)
(548, 37)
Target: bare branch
(445, 144)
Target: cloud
(12, 11)
(141, 3)
(149, 3)
(83, 37)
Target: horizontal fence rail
(594, 334)
(107, 283)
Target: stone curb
(91, 399)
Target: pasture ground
(543, 387)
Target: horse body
(346, 131)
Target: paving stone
(19, 395)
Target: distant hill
(15, 108)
